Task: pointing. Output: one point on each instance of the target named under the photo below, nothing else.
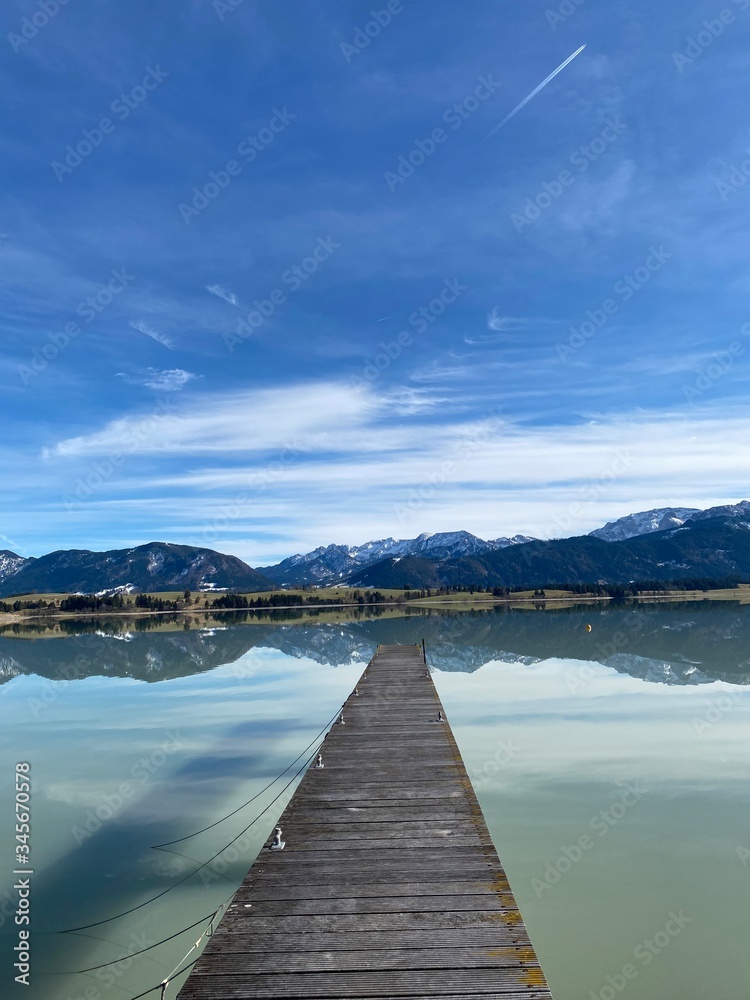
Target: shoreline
(427, 603)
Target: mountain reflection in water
(665, 643)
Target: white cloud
(167, 380)
(508, 324)
(340, 464)
(407, 401)
(222, 293)
(497, 322)
(149, 331)
(352, 468)
(321, 416)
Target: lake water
(611, 767)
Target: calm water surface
(611, 766)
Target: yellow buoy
(588, 628)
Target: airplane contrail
(536, 90)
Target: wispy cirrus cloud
(507, 324)
(501, 327)
(142, 327)
(167, 380)
(407, 401)
(223, 293)
(325, 415)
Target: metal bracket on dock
(278, 844)
(319, 762)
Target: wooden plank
(379, 904)
(495, 982)
(253, 963)
(275, 891)
(323, 843)
(416, 920)
(378, 831)
(374, 877)
(389, 885)
(339, 940)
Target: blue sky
(534, 328)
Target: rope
(133, 954)
(165, 983)
(98, 923)
(168, 979)
(208, 932)
(158, 847)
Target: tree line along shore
(74, 605)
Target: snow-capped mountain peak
(10, 564)
(504, 543)
(644, 523)
(332, 563)
(734, 511)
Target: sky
(281, 275)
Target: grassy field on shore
(315, 602)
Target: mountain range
(154, 567)
(709, 544)
(663, 544)
(335, 563)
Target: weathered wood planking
(389, 885)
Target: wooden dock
(389, 884)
